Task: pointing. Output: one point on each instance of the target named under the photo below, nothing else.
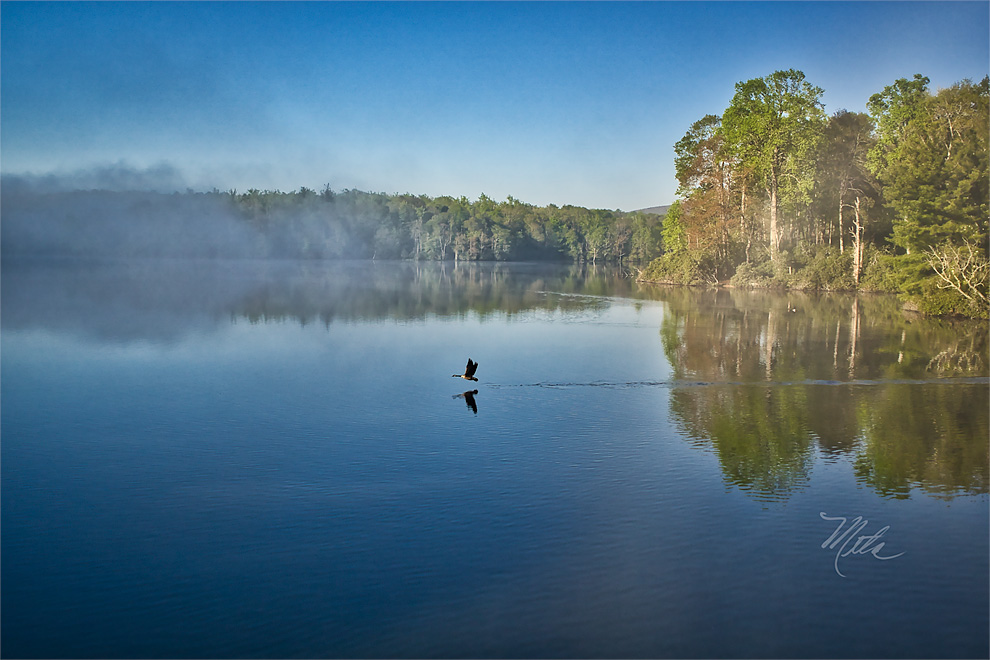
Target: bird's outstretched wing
(471, 368)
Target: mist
(115, 177)
(116, 211)
(119, 211)
(123, 212)
(164, 302)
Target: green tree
(644, 244)
(773, 126)
(936, 171)
(705, 171)
(673, 236)
(846, 182)
(932, 160)
(892, 110)
(699, 160)
(596, 235)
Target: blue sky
(557, 102)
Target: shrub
(828, 270)
(921, 288)
(936, 301)
(679, 267)
(879, 272)
(754, 276)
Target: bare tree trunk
(842, 247)
(742, 221)
(774, 238)
(857, 244)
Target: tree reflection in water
(791, 374)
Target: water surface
(270, 459)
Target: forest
(774, 193)
(356, 224)
(324, 224)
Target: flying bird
(468, 371)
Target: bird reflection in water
(469, 398)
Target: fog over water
(116, 211)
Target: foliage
(827, 269)
(775, 195)
(673, 235)
(821, 269)
(754, 275)
(681, 267)
(356, 224)
(936, 301)
(964, 271)
(773, 126)
(935, 175)
(879, 271)
(772, 193)
(892, 110)
(351, 224)
(913, 277)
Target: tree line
(355, 224)
(318, 224)
(773, 192)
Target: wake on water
(685, 383)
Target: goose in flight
(468, 371)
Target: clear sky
(557, 102)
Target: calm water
(271, 460)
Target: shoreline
(907, 306)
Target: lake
(271, 459)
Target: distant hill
(658, 210)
